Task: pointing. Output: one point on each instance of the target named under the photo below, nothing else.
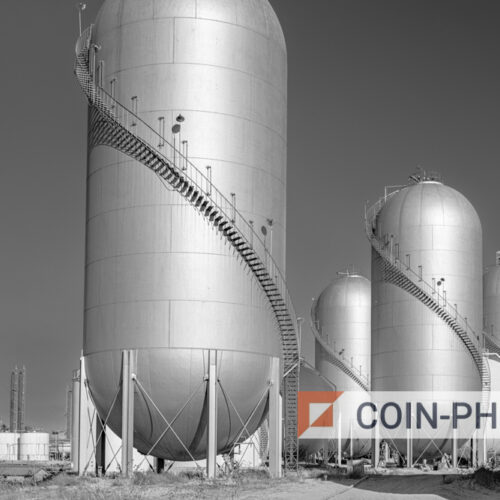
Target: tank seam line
(161, 301)
(96, 261)
(246, 28)
(219, 113)
(132, 207)
(256, 353)
(133, 161)
(283, 94)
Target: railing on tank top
(127, 120)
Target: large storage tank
(341, 322)
(34, 446)
(435, 234)
(158, 278)
(491, 297)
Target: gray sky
(376, 87)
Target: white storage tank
(426, 266)
(34, 446)
(341, 323)
(9, 446)
(341, 318)
(159, 279)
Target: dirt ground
(421, 487)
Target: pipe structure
(14, 400)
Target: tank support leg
(339, 440)
(275, 420)
(455, 449)
(212, 416)
(409, 449)
(473, 447)
(375, 445)
(351, 441)
(482, 449)
(75, 426)
(159, 464)
(87, 425)
(100, 443)
(127, 412)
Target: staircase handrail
(360, 378)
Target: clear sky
(376, 87)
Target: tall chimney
(21, 403)
(13, 399)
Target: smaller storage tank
(8, 446)
(34, 446)
(491, 298)
(341, 324)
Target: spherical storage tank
(159, 279)
(435, 231)
(341, 322)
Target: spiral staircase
(111, 124)
(402, 275)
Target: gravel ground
(426, 487)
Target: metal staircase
(338, 360)
(401, 275)
(113, 125)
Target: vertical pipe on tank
(275, 420)
(212, 415)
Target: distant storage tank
(342, 318)
(491, 290)
(34, 446)
(159, 279)
(9, 446)
(341, 322)
(434, 234)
